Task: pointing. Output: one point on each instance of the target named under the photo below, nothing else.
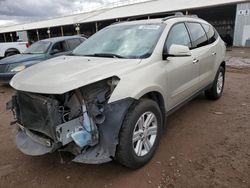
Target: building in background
(242, 25)
(230, 17)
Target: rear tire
(140, 134)
(215, 92)
(10, 54)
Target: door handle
(214, 53)
(195, 61)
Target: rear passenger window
(198, 35)
(73, 43)
(211, 34)
(178, 35)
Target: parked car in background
(37, 52)
(12, 48)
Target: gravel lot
(206, 144)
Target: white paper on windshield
(150, 27)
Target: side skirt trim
(177, 107)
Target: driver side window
(178, 35)
(60, 47)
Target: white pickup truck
(12, 48)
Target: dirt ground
(205, 144)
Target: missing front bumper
(58, 117)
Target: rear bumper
(6, 77)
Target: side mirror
(177, 51)
(54, 51)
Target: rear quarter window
(211, 33)
(198, 35)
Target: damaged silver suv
(109, 98)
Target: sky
(20, 11)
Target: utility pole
(77, 27)
(4, 37)
(37, 34)
(48, 31)
(96, 26)
(11, 36)
(62, 31)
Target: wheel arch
(11, 50)
(216, 68)
(223, 64)
(159, 99)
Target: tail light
(27, 45)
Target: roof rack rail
(168, 14)
(172, 14)
(178, 14)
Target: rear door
(202, 52)
(207, 69)
(182, 73)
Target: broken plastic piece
(81, 138)
(29, 146)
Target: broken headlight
(88, 104)
(73, 117)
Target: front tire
(140, 134)
(215, 92)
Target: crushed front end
(80, 121)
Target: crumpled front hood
(22, 58)
(66, 73)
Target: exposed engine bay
(80, 121)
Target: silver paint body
(176, 79)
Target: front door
(182, 72)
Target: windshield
(127, 41)
(40, 47)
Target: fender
(137, 93)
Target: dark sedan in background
(36, 53)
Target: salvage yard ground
(205, 144)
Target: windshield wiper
(105, 55)
(33, 53)
(72, 54)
